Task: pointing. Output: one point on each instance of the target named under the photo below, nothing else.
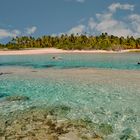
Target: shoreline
(59, 51)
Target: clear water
(113, 61)
(104, 88)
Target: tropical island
(74, 42)
(40, 98)
(70, 70)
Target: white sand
(54, 50)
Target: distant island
(74, 42)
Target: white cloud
(135, 17)
(107, 22)
(135, 23)
(77, 29)
(31, 30)
(113, 7)
(104, 16)
(91, 23)
(17, 32)
(4, 33)
(114, 27)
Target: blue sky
(55, 17)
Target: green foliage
(2, 46)
(73, 42)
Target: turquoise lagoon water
(113, 61)
(104, 88)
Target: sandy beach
(54, 50)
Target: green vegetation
(2, 46)
(72, 42)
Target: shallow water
(113, 61)
(110, 95)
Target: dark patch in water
(36, 66)
(3, 73)
(3, 95)
(33, 71)
(70, 67)
(48, 66)
(127, 134)
(16, 64)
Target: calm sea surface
(104, 88)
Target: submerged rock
(106, 129)
(127, 134)
(38, 124)
(17, 98)
(85, 123)
(59, 110)
(69, 136)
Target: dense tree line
(71, 42)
